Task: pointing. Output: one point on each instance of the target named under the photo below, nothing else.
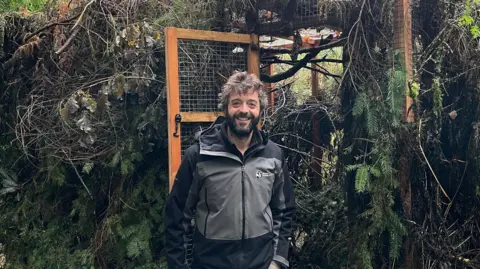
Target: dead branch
(428, 163)
(276, 60)
(300, 64)
(69, 40)
(50, 25)
(326, 73)
(80, 177)
(325, 44)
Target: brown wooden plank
(270, 87)
(254, 57)
(212, 36)
(200, 116)
(253, 62)
(173, 103)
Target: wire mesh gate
(198, 63)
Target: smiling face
(243, 113)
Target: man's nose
(244, 107)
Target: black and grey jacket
(243, 205)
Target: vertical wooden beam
(253, 61)
(316, 181)
(403, 43)
(254, 55)
(315, 90)
(271, 86)
(173, 102)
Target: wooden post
(254, 56)
(403, 43)
(173, 104)
(271, 86)
(316, 180)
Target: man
(235, 186)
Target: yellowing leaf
(64, 113)
(131, 43)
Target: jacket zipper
(243, 201)
(208, 213)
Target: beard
(241, 131)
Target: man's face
(243, 113)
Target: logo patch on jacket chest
(261, 174)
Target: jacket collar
(214, 141)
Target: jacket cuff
(281, 260)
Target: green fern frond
(362, 179)
(395, 244)
(353, 167)
(9, 182)
(372, 122)
(115, 160)
(396, 88)
(360, 105)
(375, 172)
(126, 167)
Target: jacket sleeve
(179, 210)
(283, 211)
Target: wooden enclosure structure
(198, 63)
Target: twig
(82, 14)
(50, 25)
(69, 40)
(275, 59)
(428, 163)
(79, 177)
(132, 208)
(456, 192)
(311, 68)
(324, 45)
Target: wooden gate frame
(172, 35)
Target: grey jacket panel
(219, 214)
(222, 194)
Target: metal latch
(178, 119)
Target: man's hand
(274, 265)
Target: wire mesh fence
(417, 17)
(188, 131)
(203, 68)
(307, 11)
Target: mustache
(244, 115)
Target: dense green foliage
(15, 5)
(68, 202)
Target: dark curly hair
(242, 82)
